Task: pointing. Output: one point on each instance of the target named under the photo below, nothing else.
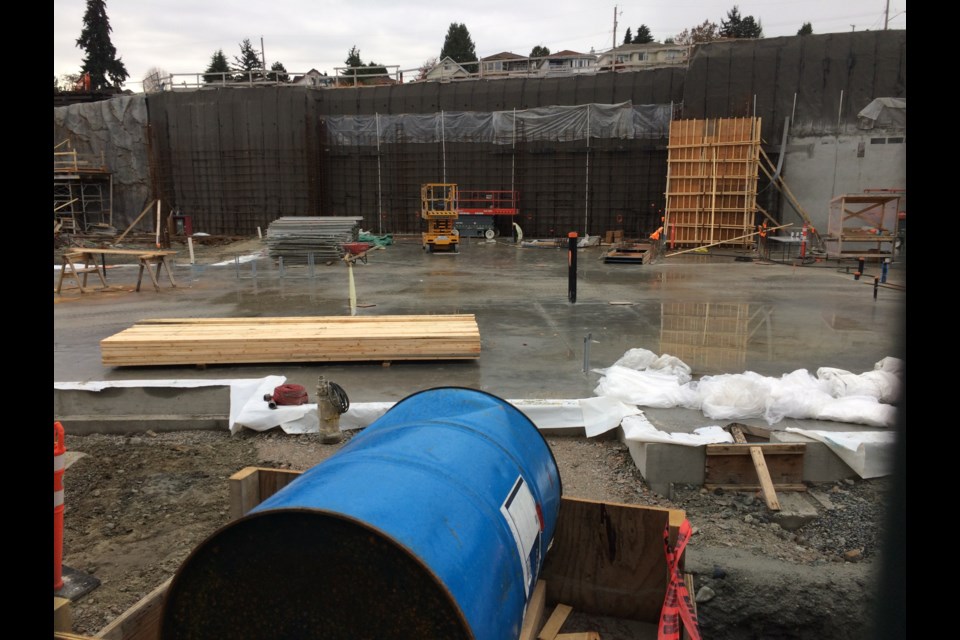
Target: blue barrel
(432, 523)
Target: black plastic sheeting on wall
(821, 82)
(237, 159)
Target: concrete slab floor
(719, 312)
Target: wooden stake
(134, 223)
(766, 483)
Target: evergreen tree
(101, 62)
(643, 35)
(628, 36)
(539, 52)
(355, 62)
(353, 57)
(458, 45)
(219, 68)
(736, 26)
(279, 72)
(247, 62)
(805, 30)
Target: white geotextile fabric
(638, 429)
(642, 378)
(870, 454)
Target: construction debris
(296, 238)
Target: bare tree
(705, 32)
(428, 64)
(155, 80)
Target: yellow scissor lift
(438, 206)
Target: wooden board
(203, 341)
(731, 465)
(62, 616)
(140, 622)
(252, 485)
(555, 622)
(608, 559)
(534, 613)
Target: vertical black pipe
(572, 266)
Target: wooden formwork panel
(712, 170)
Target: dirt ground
(136, 506)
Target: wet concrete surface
(719, 313)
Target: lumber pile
(295, 237)
(203, 341)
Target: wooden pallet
(203, 341)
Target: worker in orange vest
(762, 242)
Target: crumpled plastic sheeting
(833, 395)
(647, 388)
(859, 409)
(795, 395)
(732, 396)
(638, 429)
(883, 383)
(641, 359)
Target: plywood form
(608, 559)
(712, 181)
(185, 341)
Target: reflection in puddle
(711, 336)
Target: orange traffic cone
(59, 448)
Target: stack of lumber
(295, 237)
(203, 341)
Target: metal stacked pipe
(295, 237)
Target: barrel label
(519, 509)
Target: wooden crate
(607, 559)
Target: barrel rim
(383, 536)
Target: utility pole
(614, 26)
(263, 56)
(886, 16)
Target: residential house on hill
(634, 57)
(446, 70)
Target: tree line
(102, 69)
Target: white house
(446, 70)
(634, 57)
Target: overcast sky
(180, 36)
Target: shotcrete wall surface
(117, 128)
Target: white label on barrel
(520, 511)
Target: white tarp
(869, 453)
